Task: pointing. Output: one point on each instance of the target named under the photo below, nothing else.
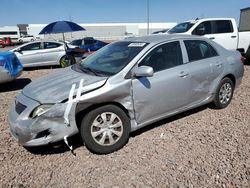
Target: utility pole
(147, 16)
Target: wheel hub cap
(225, 93)
(106, 129)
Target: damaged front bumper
(41, 130)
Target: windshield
(112, 58)
(181, 28)
(76, 42)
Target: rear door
(221, 31)
(167, 90)
(52, 52)
(204, 66)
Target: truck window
(181, 28)
(203, 28)
(222, 26)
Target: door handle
(218, 64)
(183, 74)
(212, 38)
(233, 36)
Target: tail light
(242, 59)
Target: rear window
(49, 45)
(77, 42)
(222, 26)
(198, 49)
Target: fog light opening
(44, 133)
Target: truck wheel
(224, 93)
(105, 129)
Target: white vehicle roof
(208, 19)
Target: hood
(55, 87)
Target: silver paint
(144, 99)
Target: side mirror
(18, 50)
(143, 71)
(200, 31)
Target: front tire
(224, 93)
(105, 129)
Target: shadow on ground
(58, 147)
(41, 67)
(17, 84)
(169, 120)
(247, 63)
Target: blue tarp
(9, 61)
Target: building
(103, 31)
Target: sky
(14, 12)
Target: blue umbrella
(61, 27)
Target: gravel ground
(201, 148)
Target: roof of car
(160, 38)
(207, 19)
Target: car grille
(20, 107)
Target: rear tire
(105, 129)
(224, 93)
(66, 61)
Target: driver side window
(203, 28)
(32, 46)
(164, 57)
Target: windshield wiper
(87, 69)
(95, 72)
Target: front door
(30, 54)
(167, 90)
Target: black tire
(66, 61)
(20, 41)
(224, 93)
(91, 135)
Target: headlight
(38, 111)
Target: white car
(26, 38)
(41, 53)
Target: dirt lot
(201, 148)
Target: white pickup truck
(224, 31)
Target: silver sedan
(41, 53)
(123, 87)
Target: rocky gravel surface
(200, 148)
